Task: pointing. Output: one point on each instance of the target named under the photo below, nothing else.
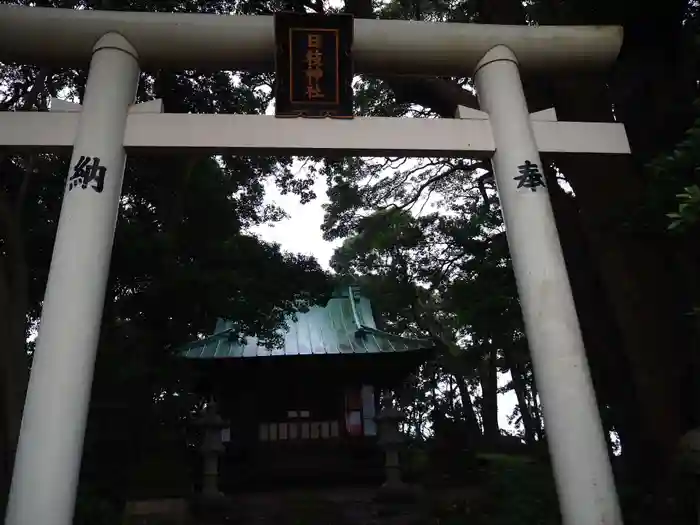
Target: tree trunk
(14, 363)
(489, 398)
(14, 303)
(652, 92)
(468, 412)
(517, 375)
(537, 413)
(636, 272)
(13, 370)
(602, 337)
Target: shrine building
(304, 412)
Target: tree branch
(443, 95)
(440, 95)
(24, 186)
(36, 89)
(481, 182)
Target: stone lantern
(212, 447)
(390, 440)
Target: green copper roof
(344, 326)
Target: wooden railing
(302, 430)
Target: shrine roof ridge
(56, 37)
(345, 325)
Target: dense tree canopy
(424, 238)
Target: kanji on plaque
(530, 176)
(313, 65)
(87, 172)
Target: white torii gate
(107, 125)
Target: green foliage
(425, 241)
(681, 169)
(674, 171)
(519, 493)
(374, 99)
(91, 509)
(688, 208)
(512, 490)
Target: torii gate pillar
(47, 463)
(577, 445)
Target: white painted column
(48, 458)
(577, 446)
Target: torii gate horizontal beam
(263, 134)
(55, 37)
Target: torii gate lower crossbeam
(147, 130)
(48, 458)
